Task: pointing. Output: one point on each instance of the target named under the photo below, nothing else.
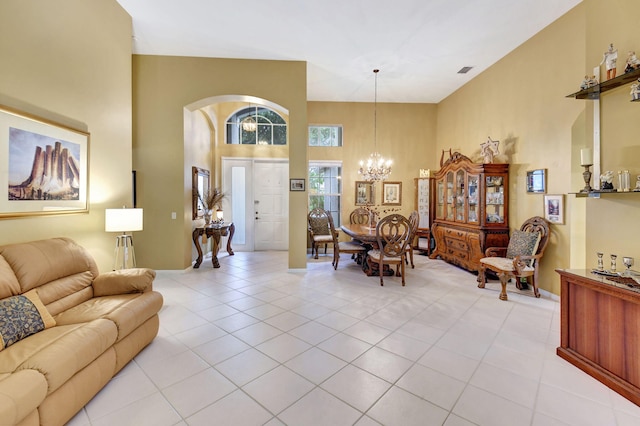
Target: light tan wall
(405, 133)
(163, 87)
(521, 102)
(70, 61)
(612, 221)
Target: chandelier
(376, 168)
(249, 124)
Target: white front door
(258, 202)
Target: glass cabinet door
(450, 209)
(440, 200)
(495, 199)
(472, 197)
(460, 194)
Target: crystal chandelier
(376, 168)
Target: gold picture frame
(365, 193)
(46, 171)
(392, 193)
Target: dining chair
(319, 231)
(414, 219)
(520, 259)
(353, 247)
(392, 235)
(360, 216)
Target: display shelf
(597, 194)
(594, 91)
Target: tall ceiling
(418, 45)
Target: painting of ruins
(43, 166)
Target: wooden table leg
(215, 247)
(232, 230)
(196, 241)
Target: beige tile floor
(253, 343)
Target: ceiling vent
(464, 70)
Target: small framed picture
(365, 193)
(392, 193)
(296, 184)
(554, 209)
(537, 181)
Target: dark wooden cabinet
(471, 209)
(600, 330)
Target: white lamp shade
(123, 220)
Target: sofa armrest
(20, 394)
(124, 281)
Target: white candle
(586, 156)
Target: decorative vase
(207, 217)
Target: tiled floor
(252, 343)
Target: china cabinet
(471, 210)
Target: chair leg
(504, 279)
(481, 276)
(534, 282)
(336, 257)
(325, 249)
(381, 272)
(314, 246)
(411, 256)
(402, 268)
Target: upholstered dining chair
(352, 247)
(520, 259)
(360, 216)
(319, 231)
(392, 235)
(414, 219)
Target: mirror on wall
(200, 185)
(537, 181)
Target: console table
(214, 231)
(599, 330)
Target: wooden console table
(214, 231)
(600, 331)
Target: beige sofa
(101, 322)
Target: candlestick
(586, 175)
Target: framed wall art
(537, 181)
(45, 169)
(392, 193)
(554, 208)
(296, 184)
(365, 193)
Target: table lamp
(123, 220)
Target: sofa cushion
(61, 351)
(127, 311)
(21, 316)
(39, 262)
(9, 285)
(20, 395)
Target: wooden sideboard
(600, 330)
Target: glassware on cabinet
(600, 262)
(613, 262)
(472, 185)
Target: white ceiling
(418, 45)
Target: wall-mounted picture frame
(44, 166)
(201, 184)
(554, 208)
(296, 185)
(537, 181)
(365, 193)
(392, 193)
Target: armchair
(520, 259)
(319, 231)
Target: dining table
(367, 235)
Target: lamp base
(125, 256)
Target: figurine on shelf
(609, 58)
(606, 181)
(635, 91)
(593, 81)
(633, 63)
(637, 188)
(489, 149)
(588, 82)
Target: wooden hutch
(472, 203)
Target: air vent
(464, 70)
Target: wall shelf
(605, 86)
(597, 194)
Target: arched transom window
(256, 126)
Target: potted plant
(211, 200)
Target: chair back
(359, 216)
(318, 221)
(540, 225)
(332, 228)
(392, 233)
